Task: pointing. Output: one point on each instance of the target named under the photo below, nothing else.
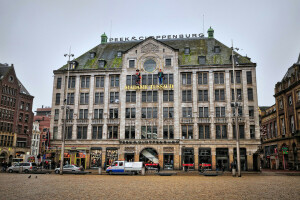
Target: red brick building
(16, 115)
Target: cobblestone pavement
(52, 186)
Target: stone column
(195, 107)
(228, 105)
(106, 104)
(76, 107)
(246, 105)
(177, 99)
(231, 156)
(91, 106)
(211, 105)
(196, 155)
(213, 158)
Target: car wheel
(26, 171)
(10, 171)
(56, 171)
(110, 173)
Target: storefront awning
(96, 148)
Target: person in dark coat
(158, 168)
(160, 76)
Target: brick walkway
(18, 186)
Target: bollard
(143, 171)
(100, 170)
(233, 172)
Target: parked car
(23, 167)
(69, 169)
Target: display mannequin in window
(138, 77)
(160, 76)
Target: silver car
(69, 169)
(22, 167)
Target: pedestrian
(158, 168)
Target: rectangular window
(249, 77)
(187, 112)
(130, 113)
(168, 95)
(113, 113)
(252, 131)
(85, 81)
(219, 78)
(221, 132)
(186, 51)
(129, 132)
(71, 82)
(251, 112)
(237, 76)
(114, 81)
(112, 132)
(98, 113)
(217, 49)
(84, 98)
(99, 97)
(240, 111)
(100, 82)
(149, 96)
(202, 78)
(250, 94)
(58, 83)
(203, 112)
(168, 112)
(55, 133)
(70, 113)
(83, 113)
(241, 131)
(114, 97)
(186, 95)
(202, 95)
(131, 96)
(204, 132)
(149, 132)
(220, 111)
(57, 99)
(97, 132)
(69, 132)
(186, 78)
(131, 63)
(70, 99)
(187, 132)
(56, 115)
(202, 60)
(81, 132)
(168, 62)
(220, 95)
(168, 132)
(149, 112)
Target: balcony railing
(203, 120)
(113, 121)
(221, 120)
(186, 120)
(82, 121)
(97, 121)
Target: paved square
(18, 186)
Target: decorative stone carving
(168, 149)
(148, 48)
(129, 149)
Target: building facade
(120, 107)
(15, 115)
(282, 122)
(35, 139)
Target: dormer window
(72, 65)
(217, 49)
(186, 50)
(92, 55)
(202, 60)
(119, 54)
(101, 63)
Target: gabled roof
(198, 47)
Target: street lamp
(235, 104)
(64, 117)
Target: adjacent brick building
(282, 123)
(15, 115)
(183, 122)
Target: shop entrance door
(188, 160)
(222, 159)
(169, 161)
(129, 157)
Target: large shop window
(188, 158)
(149, 132)
(111, 156)
(204, 158)
(243, 157)
(222, 158)
(96, 157)
(168, 161)
(150, 157)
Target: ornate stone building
(15, 115)
(185, 121)
(282, 123)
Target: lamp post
(64, 117)
(235, 105)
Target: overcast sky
(35, 34)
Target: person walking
(158, 168)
